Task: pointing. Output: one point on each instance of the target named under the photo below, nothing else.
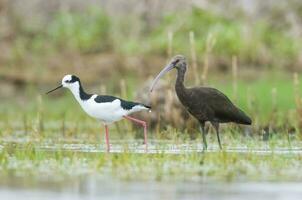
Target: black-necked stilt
(107, 109)
(204, 103)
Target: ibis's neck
(79, 93)
(179, 85)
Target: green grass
(260, 93)
(220, 166)
(88, 32)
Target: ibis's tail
(244, 119)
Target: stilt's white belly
(107, 112)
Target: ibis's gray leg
(204, 139)
(216, 126)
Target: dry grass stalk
(235, 77)
(169, 104)
(123, 89)
(274, 98)
(63, 125)
(40, 115)
(209, 46)
(250, 99)
(170, 51)
(194, 58)
(103, 89)
(274, 107)
(296, 84)
(123, 94)
(205, 70)
(25, 124)
(170, 44)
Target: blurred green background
(250, 50)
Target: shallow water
(94, 187)
(91, 188)
(154, 147)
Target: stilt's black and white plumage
(107, 109)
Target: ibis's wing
(219, 105)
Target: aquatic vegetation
(29, 158)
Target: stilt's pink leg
(144, 124)
(107, 138)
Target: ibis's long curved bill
(163, 72)
(54, 89)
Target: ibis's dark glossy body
(209, 104)
(204, 103)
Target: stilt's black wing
(126, 105)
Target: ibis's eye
(176, 61)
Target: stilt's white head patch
(71, 82)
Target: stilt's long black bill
(163, 72)
(54, 89)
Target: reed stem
(194, 58)
(235, 77)
(209, 46)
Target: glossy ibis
(107, 109)
(204, 103)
